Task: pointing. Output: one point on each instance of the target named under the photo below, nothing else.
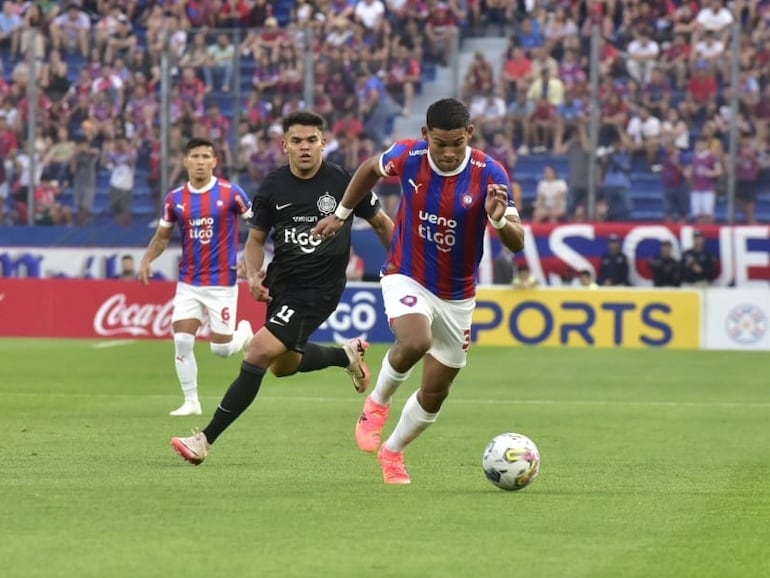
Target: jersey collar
(203, 189)
(457, 171)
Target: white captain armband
(342, 212)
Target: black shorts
(293, 317)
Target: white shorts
(450, 321)
(702, 203)
(220, 303)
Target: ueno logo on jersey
(437, 230)
(307, 243)
(418, 152)
(480, 164)
(201, 229)
(356, 318)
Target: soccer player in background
(305, 280)
(450, 193)
(207, 210)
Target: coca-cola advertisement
(94, 309)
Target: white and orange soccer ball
(511, 461)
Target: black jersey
(291, 207)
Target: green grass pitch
(655, 465)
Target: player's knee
(184, 343)
(415, 344)
(221, 349)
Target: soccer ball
(511, 461)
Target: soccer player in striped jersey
(450, 193)
(207, 210)
(304, 282)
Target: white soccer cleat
(193, 449)
(358, 370)
(244, 332)
(188, 408)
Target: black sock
(321, 356)
(238, 397)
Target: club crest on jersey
(466, 200)
(326, 204)
(409, 300)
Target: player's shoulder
(228, 184)
(334, 171)
(481, 159)
(413, 146)
(278, 177)
(176, 190)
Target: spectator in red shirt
(747, 169)
(403, 76)
(349, 124)
(441, 28)
(48, 210)
(701, 92)
(516, 74)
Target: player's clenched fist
(327, 227)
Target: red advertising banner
(94, 309)
(552, 251)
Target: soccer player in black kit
(305, 280)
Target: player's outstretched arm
(155, 249)
(362, 182)
(383, 226)
(254, 259)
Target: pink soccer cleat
(370, 425)
(393, 467)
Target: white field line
(113, 343)
(457, 401)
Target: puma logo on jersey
(415, 186)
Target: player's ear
(470, 131)
(283, 146)
(425, 132)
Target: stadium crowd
(663, 100)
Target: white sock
(241, 335)
(413, 421)
(388, 381)
(186, 365)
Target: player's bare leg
(396, 367)
(420, 412)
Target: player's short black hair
(304, 118)
(447, 114)
(196, 142)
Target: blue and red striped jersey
(439, 227)
(208, 220)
